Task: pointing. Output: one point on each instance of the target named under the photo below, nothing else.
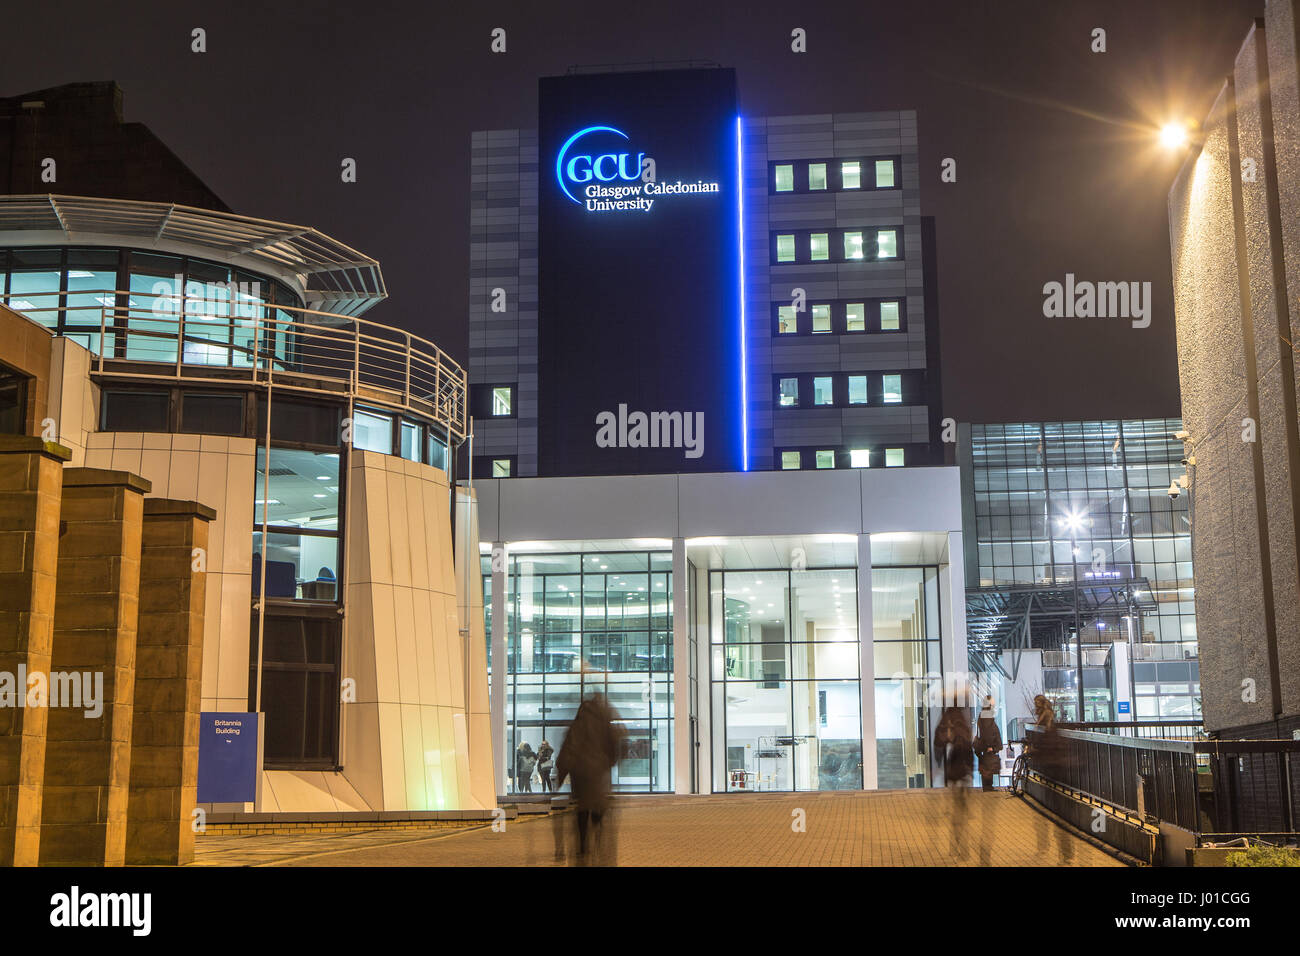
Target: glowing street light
(1173, 135)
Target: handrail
(192, 337)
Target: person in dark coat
(525, 761)
(590, 750)
(1047, 757)
(988, 744)
(953, 750)
(545, 763)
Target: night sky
(1057, 167)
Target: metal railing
(1217, 789)
(223, 340)
(1164, 650)
(1143, 729)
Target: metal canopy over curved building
(330, 275)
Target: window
(821, 318)
(855, 317)
(135, 411)
(893, 389)
(893, 457)
(212, 413)
(500, 467)
(826, 459)
(91, 280)
(788, 392)
(853, 245)
(300, 689)
(502, 400)
(34, 285)
(125, 411)
(372, 432)
(785, 248)
(857, 390)
(410, 434)
(820, 243)
(785, 178)
(884, 174)
(860, 458)
(887, 244)
(816, 175)
(823, 390)
(299, 496)
(790, 460)
(851, 175)
(787, 320)
(300, 421)
(889, 316)
(437, 451)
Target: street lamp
(1074, 521)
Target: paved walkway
(885, 828)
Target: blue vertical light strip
(744, 359)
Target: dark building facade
(767, 280)
(79, 128)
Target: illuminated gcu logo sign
(581, 168)
(630, 176)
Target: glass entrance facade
(584, 622)
(785, 680)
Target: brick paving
(884, 828)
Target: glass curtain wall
(591, 622)
(1110, 478)
(786, 703)
(907, 632)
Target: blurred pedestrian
(588, 754)
(525, 761)
(545, 762)
(953, 748)
(988, 743)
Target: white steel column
(682, 748)
(866, 664)
(952, 610)
(704, 678)
(500, 660)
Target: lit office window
(787, 320)
(884, 174)
(893, 457)
(826, 459)
(857, 390)
(785, 248)
(816, 175)
(790, 460)
(821, 316)
(821, 246)
(371, 432)
(855, 315)
(823, 390)
(851, 175)
(500, 467)
(893, 389)
(788, 393)
(853, 245)
(859, 458)
(887, 244)
(889, 316)
(784, 179)
(410, 436)
(502, 400)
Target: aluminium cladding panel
(734, 504)
(1226, 552)
(638, 293)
